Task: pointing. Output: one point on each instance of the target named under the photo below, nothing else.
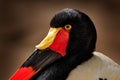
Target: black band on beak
(41, 58)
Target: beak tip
(23, 73)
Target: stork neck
(60, 69)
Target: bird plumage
(68, 52)
(81, 44)
(96, 68)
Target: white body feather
(99, 66)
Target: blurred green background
(24, 23)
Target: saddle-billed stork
(68, 52)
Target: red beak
(43, 56)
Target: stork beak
(48, 40)
(46, 53)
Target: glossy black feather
(81, 44)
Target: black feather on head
(81, 44)
(83, 32)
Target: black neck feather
(60, 69)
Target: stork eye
(68, 27)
